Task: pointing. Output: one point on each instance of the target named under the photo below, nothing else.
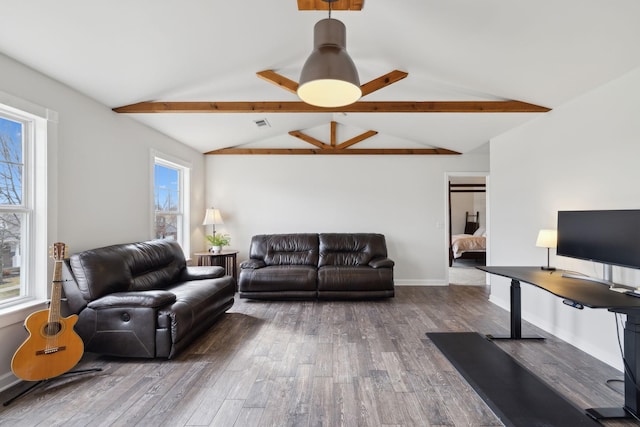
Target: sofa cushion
(353, 249)
(202, 272)
(127, 267)
(154, 264)
(354, 279)
(278, 278)
(99, 272)
(134, 299)
(285, 249)
(195, 302)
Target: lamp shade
(212, 217)
(329, 77)
(547, 239)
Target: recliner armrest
(154, 298)
(381, 263)
(252, 264)
(201, 272)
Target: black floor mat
(516, 395)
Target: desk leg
(516, 317)
(631, 384)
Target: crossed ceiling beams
(507, 106)
(289, 85)
(333, 147)
(357, 107)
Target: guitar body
(53, 347)
(50, 350)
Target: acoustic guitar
(53, 347)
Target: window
(23, 208)
(171, 201)
(12, 210)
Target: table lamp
(212, 217)
(547, 239)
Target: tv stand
(592, 294)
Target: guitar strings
(53, 329)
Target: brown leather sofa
(323, 266)
(141, 299)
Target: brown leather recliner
(324, 266)
(142, 300)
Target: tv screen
(609, 237)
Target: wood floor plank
(322, 410)
(248, 417)
(227, 414)
(276, 411)
(324, 360)
(260, 391)
(368, 396)
(315, 363)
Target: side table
(226, 259)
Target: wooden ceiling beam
(358, 107)
(348, 143)
(382, 81)
(334, 132)
(333, 146)
(311, 140)
(367, 88)
(279, 80)
(335, 151)
(335, 5)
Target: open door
(467, 233)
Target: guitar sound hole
(52, 328)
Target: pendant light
(329, 77)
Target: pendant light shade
(329, 77)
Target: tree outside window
(171, 186)
(167, 202)
(12, 209)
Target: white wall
(402, 197)
(100, 177)
(461, 203)
(583, 155)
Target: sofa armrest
(252, 264)
(201, 272)
(381, 263)
(152, 299)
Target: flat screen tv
(611, 237)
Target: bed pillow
(479, 232)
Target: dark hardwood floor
(365, 363)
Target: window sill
(19, 312)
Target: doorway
(467, 231)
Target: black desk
(588, 294)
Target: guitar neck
(56, 293)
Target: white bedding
(461, 243)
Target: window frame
(39, 135)
(184, 189)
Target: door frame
(449, 175)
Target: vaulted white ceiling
(121, 52)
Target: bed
(470, 245)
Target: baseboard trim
(420, 283)
(8, 380)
